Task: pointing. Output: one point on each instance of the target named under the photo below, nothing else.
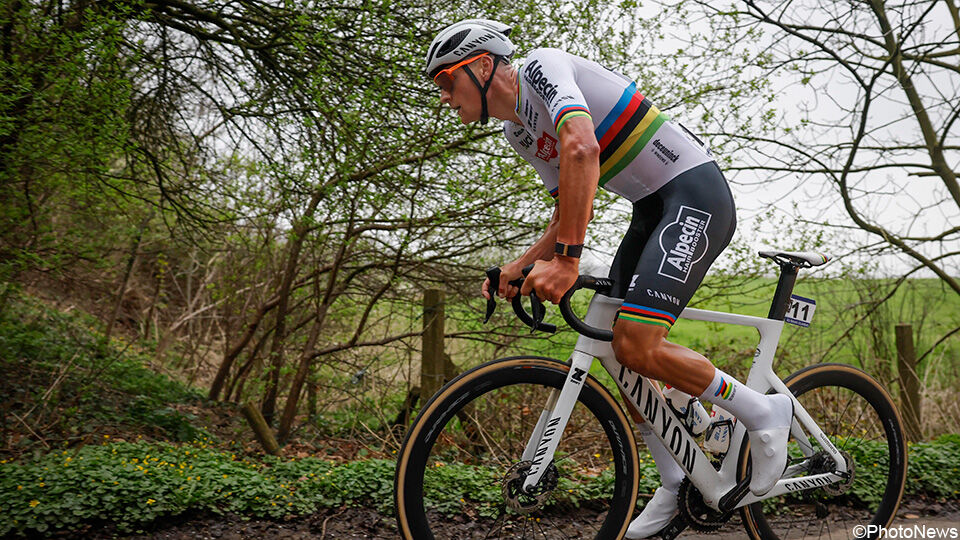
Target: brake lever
(493, 274)
(538, 310)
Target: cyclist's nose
(444, 96)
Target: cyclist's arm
(579, 177)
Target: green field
(853, 324)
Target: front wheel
(863, 423)
(459, 469)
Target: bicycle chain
(699, 516)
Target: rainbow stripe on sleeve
(646, 315)
(627, 128)
(555, 193)
(569, 111)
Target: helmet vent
(453, 42)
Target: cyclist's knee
(639, 347)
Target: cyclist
(583, 126)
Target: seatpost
(781, 298)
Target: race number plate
(800, 311)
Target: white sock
(670, 473)
(749, 406)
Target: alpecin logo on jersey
(546, 147)
(683, 243)
(533, 74)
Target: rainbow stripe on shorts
(646, 315)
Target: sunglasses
(444, 78)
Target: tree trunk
(297, 237)
(293, 397)
(230, 357)
(131, 260)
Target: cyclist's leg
(670, 473)
(659, 510)
(697, 223)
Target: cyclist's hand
(508, 273)
(552, 279)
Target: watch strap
(568, 250)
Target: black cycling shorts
(675, 235)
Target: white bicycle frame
(667, 427)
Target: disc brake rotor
(512, 487)
(839, 488)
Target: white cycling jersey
(641, 149)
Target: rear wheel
(863, 423)
(459, 470)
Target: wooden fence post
(432, 357)
(909, 382)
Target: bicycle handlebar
(535, 319)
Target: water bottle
(692, 412)
(721, 429)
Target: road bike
(531, 447)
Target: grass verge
(131, 484)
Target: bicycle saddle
(803, 259)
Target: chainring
(512, 487)
(699, 516)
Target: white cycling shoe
(768, 447)
(655, 515)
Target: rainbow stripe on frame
(628, 127)
(724, 389)
(646, 315)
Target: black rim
(860, 420)
(528, 372)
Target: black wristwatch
(568, 250)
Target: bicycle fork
(553, 419)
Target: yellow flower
(150, 501)
(224, 476)
(106, 436)
(41, 484)
(34, 503)
(19, 487)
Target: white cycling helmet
(468, 38)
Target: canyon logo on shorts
(683, 242)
